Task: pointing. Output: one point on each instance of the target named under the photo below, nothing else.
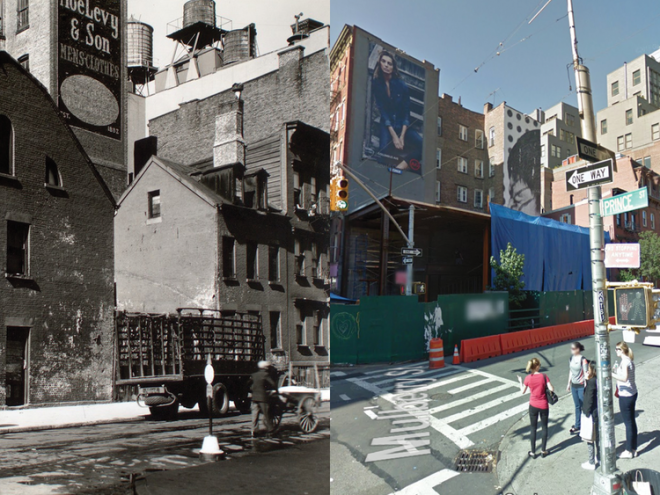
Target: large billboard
(394, 126)
(89, 64)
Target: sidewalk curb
(25, 429)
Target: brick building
(76, 75)
(465, 177)
(57, 312)
(240, 184)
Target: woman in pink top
(538, 403)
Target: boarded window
(18, 247)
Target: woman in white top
(624, 373)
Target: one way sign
(591, 175)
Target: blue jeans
(627, 407)
(578, 399)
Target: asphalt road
(471, 406)
(107, 459)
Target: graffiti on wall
(432, 324)
(345, 326)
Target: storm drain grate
(475, 461)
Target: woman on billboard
(392, 98)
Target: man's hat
(263, 364)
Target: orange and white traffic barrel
(436, 354)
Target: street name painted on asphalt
(591, 175)
(411, 252)
(622, 203)
(622, 255)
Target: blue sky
(459, 35)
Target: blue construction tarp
(557, 254)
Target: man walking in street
(262, 387)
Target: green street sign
(633, 200)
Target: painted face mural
(522, 175)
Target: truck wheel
(165, 413)
(220, 400)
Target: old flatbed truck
(164, 355)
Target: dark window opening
(24, 60)
(273, 263)
(6, 146)
(318, 329)
(52, 174)
(275, 330)
(154, 204)
(252, 261)
(18, 245)
(228, 257)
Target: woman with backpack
(590, 411)
(577, 373)
(537, 383)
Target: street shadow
(653, 436)
(555, 426)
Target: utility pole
(607, 479)
(411, 244)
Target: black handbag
(550, 394)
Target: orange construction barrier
(436, 354)
(457, 358)
(515, 342)
(481, 348)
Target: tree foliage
(508, 274)
(649, 243)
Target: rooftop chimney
(488, 107)
(229, 145)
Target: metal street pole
(411, 244)
(606, 477)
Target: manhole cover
(475, 461)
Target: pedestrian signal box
(339, 193)
(637, 307)
(419, 288)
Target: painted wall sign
(89, 64)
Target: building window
(317, 262)
(491, 136)
(491, 168)
(18, 248)
(22, 17)
(570, 119)
(555, 151)
(462, 133)
(437, 191)
(644, 218)
(275, 330)
(620, 146)
(479, 139)
(637, 77)
(252, 261)
(652, 221)
(273, 263)
(439, 126)
(461, 194)
(647, 161)
(565, 218)
(296, 189)
(603, 126)
(438, 158)
(543, 151)
(629, 116)
(615, 88)
(6, 146)
(24, 60)
(478, 198)
(655, 132)
(301, 328)
(299, 254)
(2, 18)
(52, 174)
(618, 220)
(491, 195)
(629, 144)
(318, 329)
(228, 257)
(462, 164)
(479, 169)
(154, 204)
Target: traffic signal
(339, 193)
(419, 288)
(637, 306)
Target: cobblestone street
(107, 459)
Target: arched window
(6, 146)
(52, 174)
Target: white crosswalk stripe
(478, 398)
